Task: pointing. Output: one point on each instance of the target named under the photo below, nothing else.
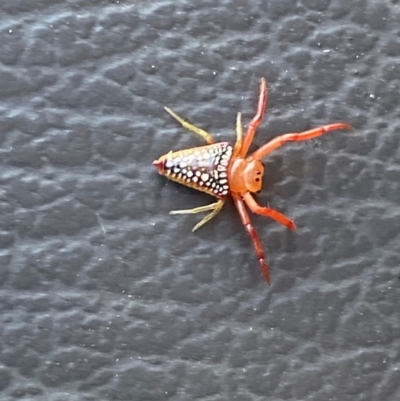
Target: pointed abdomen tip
(159, 164)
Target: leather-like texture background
(104, 295)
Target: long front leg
(244, 216)
(205, 135)
(268, 212)
(255, 122)
(302, 136)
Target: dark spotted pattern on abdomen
(203, 168)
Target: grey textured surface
(104, 296)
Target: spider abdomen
(204, 168)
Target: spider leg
(302, 136)
(268, 212)
(255, 122)
(215, 207)
(244, 216)
(239, 134)
(205, 135)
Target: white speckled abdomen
(204, 168)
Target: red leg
(266, 211)
(255, 122)
(303, 136)
(244, 216)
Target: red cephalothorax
(220, 169)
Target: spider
(222, 170)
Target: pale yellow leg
(205, 135)
(239, 134)
(215, 207)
